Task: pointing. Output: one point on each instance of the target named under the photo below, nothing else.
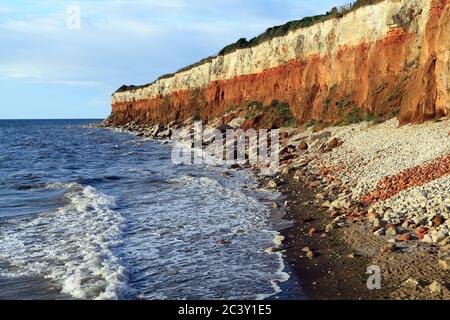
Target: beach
(350, 222)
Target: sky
(64, 59)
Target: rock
(428, 239)
(275, 205)
(354, 255)
(444, 265)
(372, 215)
(165, 134)
(438, 236)
(303, 146)
(334, 143)
(436, 287)
(389, 249)
(412, 283)
(405, 225)
(403, 237)
(272, 184)
(421, 232)
(237, 122)
(310, 254)
(222, 242)
(391, 232)
(312, 232)
(437, 221)
(223, 128)
(377, 223)
(306, 249)
(226, 174)
(269, 250)
(155, 130)
(320, 196)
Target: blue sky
(48, 70)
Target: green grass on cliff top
(273, 32)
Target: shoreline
(327, 253)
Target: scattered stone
(334, 143)
(391, 232)
(310, 254)
(224, 127)
(303, 146)
(372, 215)
(306, 249)
(312, 232)
(421, 233)
(428, 239)
(412, 283)
(389, 248)
(405, 225)
(403, 237)
(272, 184)
(269, 250)
(320, 196)
(436, 287)
(437, 221)
(438, 236)
(377, 223)
(444, 264)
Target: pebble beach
(360, 196)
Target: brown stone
(388, 249)
(334, 143)
(437, 221)
(403, 237)
(303, 146)
(312, 232)
(421, 232)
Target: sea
(98, 214)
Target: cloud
(129, 41)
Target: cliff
(381, 60)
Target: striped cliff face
(388, 58)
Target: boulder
(272, 184)
(224, 127)
(303, 146)
(333, 143)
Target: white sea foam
(74, 245)
(242, 219)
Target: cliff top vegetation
(269, 34)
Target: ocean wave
(236, 217)
(75, 245)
